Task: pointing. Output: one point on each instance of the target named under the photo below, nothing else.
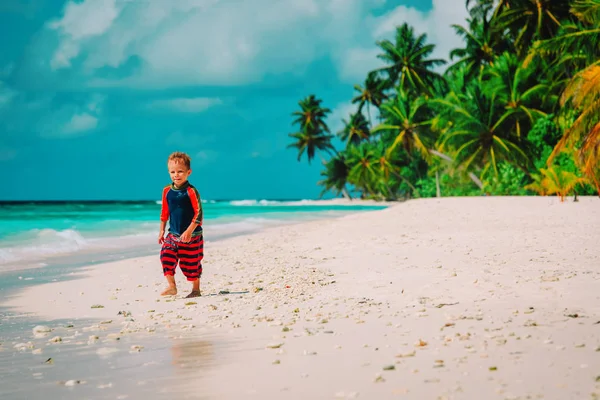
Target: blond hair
(180, 157)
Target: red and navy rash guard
(181, 206)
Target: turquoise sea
(38, 234)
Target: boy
(184, 243)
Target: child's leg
(190, 261)
(168, 259)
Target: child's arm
(164, 215)
(197, 220)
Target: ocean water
(36, 234)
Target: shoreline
(481, 297)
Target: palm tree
(363, 173)
(482, 45)
(356, 130)
(553, 180)
(335, 176)
(408, 62)
(476, 131)
(530, 20)
(310, 142)
(516, 90)
(407, 122)
(373, 93)
(311, 114)
(583, 94)
(313, 134)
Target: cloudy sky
(94, 94)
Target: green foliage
(500, 120)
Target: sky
(95, 94)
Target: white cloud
(186, 105)
(216, 42)
(80, 123)
(81, 21)
(436, 23)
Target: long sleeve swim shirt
(181, 206)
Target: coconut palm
(356, 130)
(372, 93)
(335, 176)
(311, 115)
(530, 20)
(477, 134)
(408, 63)
(362, 161)
(313, 134)
(407, 121)
(583, 93)
(516, 88)
(482, 45)
(554, 180)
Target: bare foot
(194, 293)
(171, 291)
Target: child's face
(179, 172)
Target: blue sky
(94, 94)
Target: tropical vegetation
(514, 111)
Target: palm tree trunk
(397, 175)
(345, 193)
(438, 192)
(473, 177)
(369, 113)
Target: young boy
(184, 243)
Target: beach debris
(71, 382)
(438, 363)
(277, 362)
(24, 346)
(124, 313)
(379, 378)
(411, 354)
(447, 325)
(190, 303)
(107, 321)
(257, 289)
(390, 367)
(55, 339)
(92, 339)
(40, 329)
(572, 315)
(135, 348)
(97, 306)
(421, 343)
(493, 368)
(49, 361)
(274, 345)
(224, 291)
(446, 304)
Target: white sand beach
(452, 298)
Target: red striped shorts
(188, 255)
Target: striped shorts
(189, 255)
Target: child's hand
(161, 237)
(185, 237)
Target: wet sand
(453, 298)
